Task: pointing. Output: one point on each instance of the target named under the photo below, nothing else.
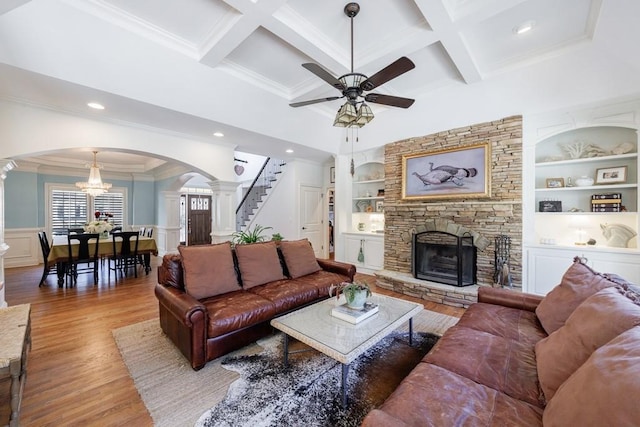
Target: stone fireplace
(444, 258)
(484, 218)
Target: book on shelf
(607, 209)
(606, 201)
(606, 196)
(617, 205)
(353, 315)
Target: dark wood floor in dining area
(76, 376)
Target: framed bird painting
(454, 173)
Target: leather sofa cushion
(506, 322)
(321, 280)
(600, 318)
(171, 271)
(433, 396)
(604, 390)
(259, 263)
(299, 257)
(502, 364)
(236, 310)
(208, 270)
(286, 295)
(578, 283)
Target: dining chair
(142, 230)
(149, 232)
(124, 258)
(86, 255)
(46, 249)
(116, 229)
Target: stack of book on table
(353, 315)
(611, 202)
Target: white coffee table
(341, 340)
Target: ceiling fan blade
(394, 101)
(314, 101)
(389, 72)
(324, 75)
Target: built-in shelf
(590, 188)
(588, 160)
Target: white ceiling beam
(441, 23)
(9, 5)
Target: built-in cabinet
(367, 198)
(570, 159)
(365, 251)
(360, 238)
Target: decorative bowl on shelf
(584, 181)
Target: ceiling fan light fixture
(94, 185)
(346, 115)
(365, 115)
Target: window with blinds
(113, 203)
(72, 208)
(68, 210)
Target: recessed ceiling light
(525, 27)
(218, 134)
(289, 151)
(95, 106)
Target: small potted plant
(355, 293)
(250, 236)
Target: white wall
(26, 130)
(281, 211)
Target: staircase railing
(263, 181)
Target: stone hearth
(406, 284)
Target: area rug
(175, 395)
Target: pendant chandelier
(94, 185)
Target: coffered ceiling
(194, 67)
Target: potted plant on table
(250, 236)
(355, 293)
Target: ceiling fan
(353, 85)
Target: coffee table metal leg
(345, 373)
(411, 331)
(286, 350)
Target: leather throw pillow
(299, 257)
(208, 270)
(259, 263)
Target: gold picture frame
(612, 175)
(454, 173)
(555, 182)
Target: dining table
(60, 253)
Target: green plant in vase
(355, 293)
(250, 236)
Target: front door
(311, 217)
(199, 219)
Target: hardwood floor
(76, 376)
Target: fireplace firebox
(444, 258)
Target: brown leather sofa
(214, 299)
(570, 358)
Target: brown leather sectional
(570, 358)
(208, 327)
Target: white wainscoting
(24, 248)
(167, 239)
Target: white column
(7, 165)
(168, 237)
(224, 204)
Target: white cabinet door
(352, 249)
(372, 248)
(374, 253)
(545, 269)
(546, 266)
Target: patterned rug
(176, 395)
(307, 392)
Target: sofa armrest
(508, 298)
(338, 267)
(179, 303)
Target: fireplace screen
(444, 258)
